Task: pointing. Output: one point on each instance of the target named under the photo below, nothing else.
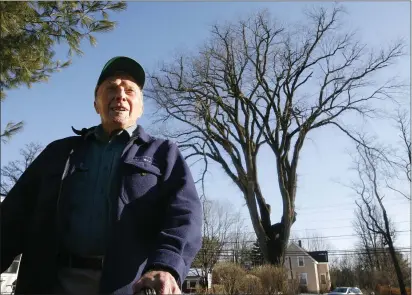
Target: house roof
(194, 272)
(306, 253)
(319, 256)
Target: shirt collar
(99, 133)
(134, 131)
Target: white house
(310, 268)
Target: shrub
(323, 290)
(293, 287)
(385, 290)
(201, 290)
(217, 289)
(230, 276)
(250, 284)
(273, 279)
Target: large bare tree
(257, 83)
(11, 172)
(372, 213)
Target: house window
(301, 261)
(303, 279)
(323, 279)
(193, 284)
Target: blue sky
(153, 32)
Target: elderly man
(111, 210)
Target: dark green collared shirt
(92, 193)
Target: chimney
(300, 243)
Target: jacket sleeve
(16, 211)
(180, 238)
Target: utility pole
(290, 266)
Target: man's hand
(161, 281)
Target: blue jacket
(157, 222)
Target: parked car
(346, 290)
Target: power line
(325, 237)
(324, 211)
(323, 220)
(338, 237)
(376, 252)
(349, 226)
(342, 237)
(370, 251)
(342, 205)
(353, 251)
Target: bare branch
(13, 170)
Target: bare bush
(293, 287)
(273, 279)
(251, 284)
(229, 276)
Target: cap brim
(123, 64)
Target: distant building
(194, 281)
(310, 268)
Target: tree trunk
(259, 225)
(398, 270)
(395, 261)
(279, 237)
(275, 241)
(272, 239)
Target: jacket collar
(140, 134)
(137, 134)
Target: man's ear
(95, 107)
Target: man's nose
(120, 94)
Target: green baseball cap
(122, 64)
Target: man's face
(119, 102)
